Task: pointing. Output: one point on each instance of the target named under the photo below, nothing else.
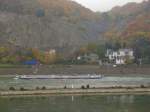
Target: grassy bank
(75, 69)
(13, 66)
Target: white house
(51, 51)
(121, 56)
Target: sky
(104, 5)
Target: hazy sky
(103, 5)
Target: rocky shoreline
(78, 91)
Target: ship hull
(60, 77)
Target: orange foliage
(140, 27)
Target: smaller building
(121, 56)
(31, 62)
(89, 58)
(51, 51)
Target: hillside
(66, 25)
(129, 22)
(46, 24)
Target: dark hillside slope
(46, 23)
(64, 24)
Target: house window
(126, 53)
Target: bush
(43, 88)
(82, 87)
(12, 88)
(88, 86)
(65, 87)
(142, 86)
(37, 88)
(22, 89)
(129, 61)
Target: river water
(93, 103)
(101, 103)
(7, 82)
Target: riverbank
(78, 91)
(77, 69)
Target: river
(7, 82)
(101, 103)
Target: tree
(4, 51)
(91, 47)
(101, 50)
(142, 49)
(40, 13)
